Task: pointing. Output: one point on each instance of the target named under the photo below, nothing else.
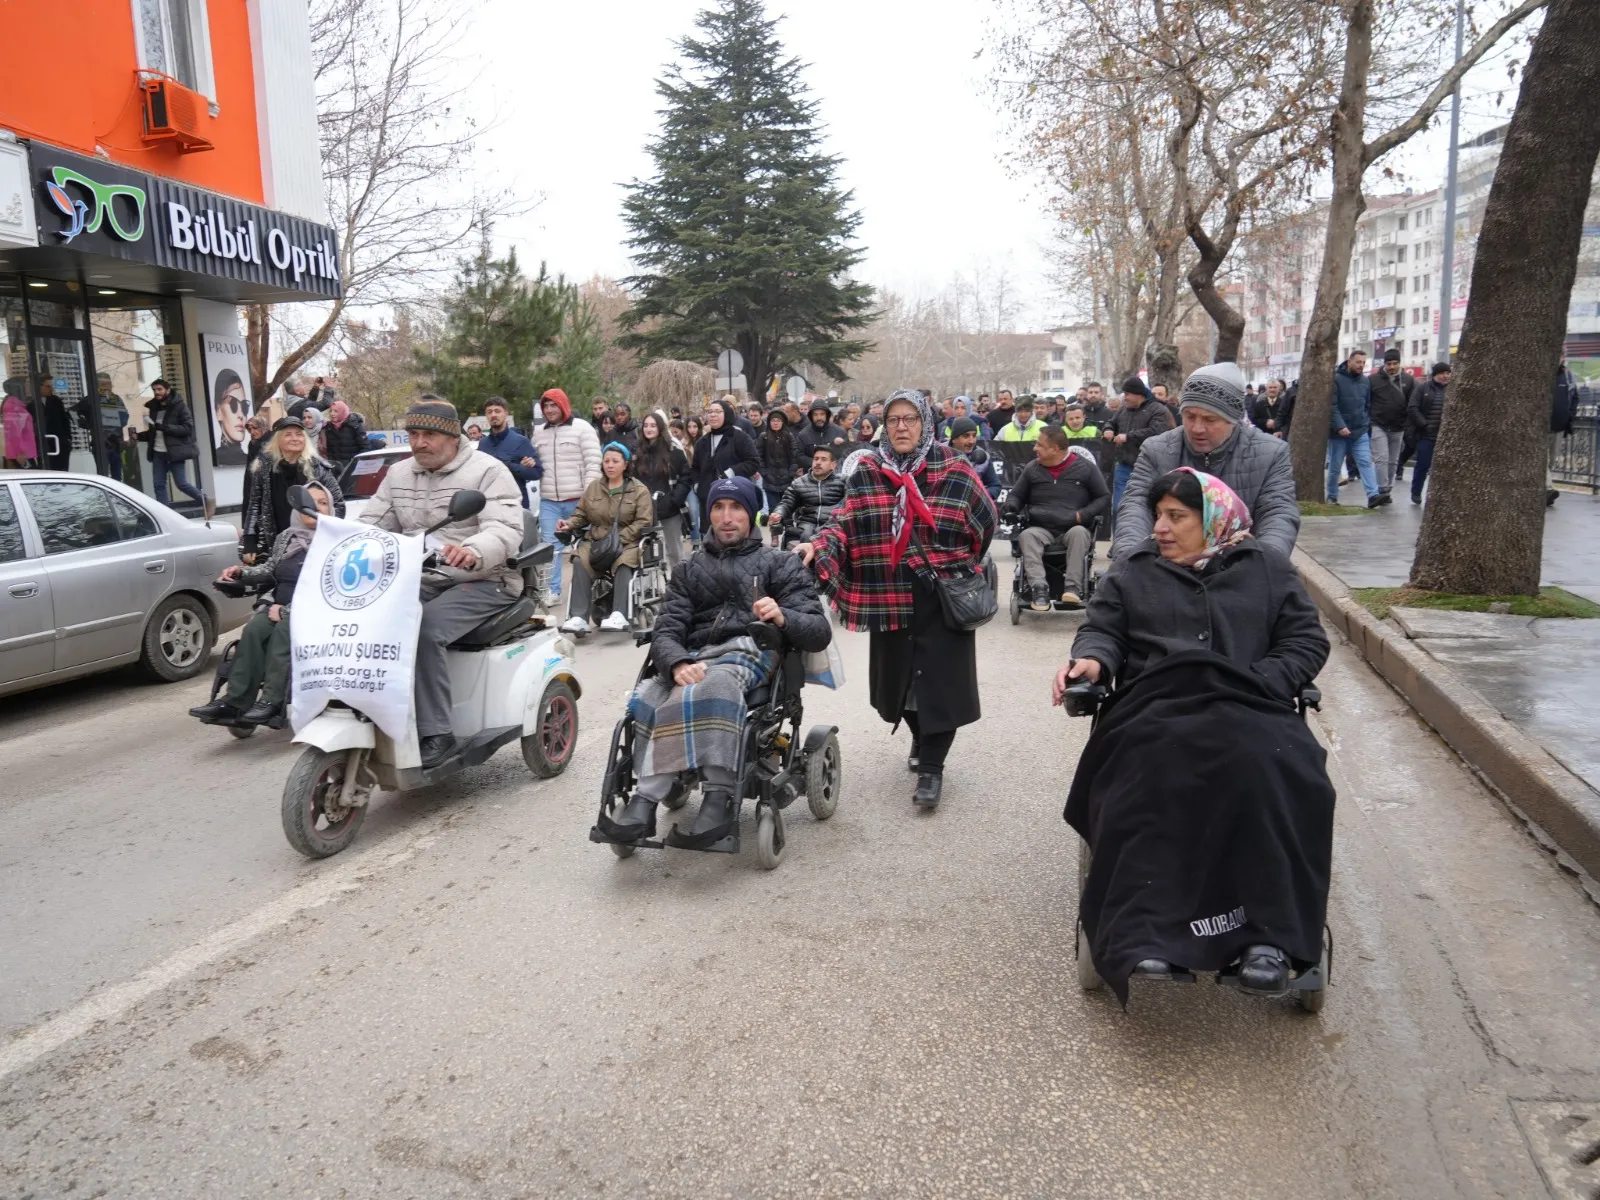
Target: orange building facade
(173, 177)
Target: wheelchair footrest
(596, 834)
(724, 839)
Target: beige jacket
(411, 499)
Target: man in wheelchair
(689, 712)
(1058, 497)
(810, 498)
(1202, 794)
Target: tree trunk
(258, 345)
(1308, 437)
(1165, 367)
(1228, 320)
(1483, 531)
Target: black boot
(435, 748)
(929, 785)
(261, 712)
(217, 710)
(717, 818)
(1264, 971)
(637, 820)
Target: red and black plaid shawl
(853, 549)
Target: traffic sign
(796, 387)
(729, 362)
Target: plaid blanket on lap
(853, 549)
(686, 728)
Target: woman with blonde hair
(287, 459)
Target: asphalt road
(476, 1001)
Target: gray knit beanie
(1219, 388)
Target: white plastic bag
(826, 667)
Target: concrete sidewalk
(1516, 696)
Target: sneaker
(575, 625)
(615, 623)
(1384, 498)
(1041, 599)
(1375, 501)
(1071, 600)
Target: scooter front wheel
(548, 749)
(312, 819)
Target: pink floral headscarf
(1223, 515)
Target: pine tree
(742, 237)
(502, 334)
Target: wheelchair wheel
(824, 778)
(1088, 978)
(1016, 607)
(768, 850)
(1312, 1001)
(620, 850)
(241, 731)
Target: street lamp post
(1447, 267)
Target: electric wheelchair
(647, 586)
(775, 766)
(1309, 987)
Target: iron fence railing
(1575, 460)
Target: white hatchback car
(94, 575)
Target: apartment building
(174, 175)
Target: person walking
(725, 450)
(170, 444)
(1391, 397)
(505, 443)
(568, 451)
(914, 511)
(344, 436)
(1139, 419)
(663, 467)
(1273, 410)
(1427, 407)
(780, 460)
(1563, 410)
(1349, 427)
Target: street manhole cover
(1564, 1137)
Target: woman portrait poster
(230, 409)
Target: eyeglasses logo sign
(86, 216)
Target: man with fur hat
(474, 581)
(690, 712)
(1215, 438)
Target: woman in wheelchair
(689, 713)
(615, 504)
(262, 661)
(1201, 792)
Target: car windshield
(365, 474)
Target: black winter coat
(259, 525)
(1563, 401)
(1078, 496)
(1426, 409)
(344, 442)
(804, 499)
(670, 491)
(711, 595)
(1280, 413)
(780, 458)
(810, 437)
(1247, 605)
(1140, 424)
(174, 420)
(734, 451)
(1390, 399)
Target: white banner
(353, 624)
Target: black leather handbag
(967, 599)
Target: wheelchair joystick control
(1083, 698)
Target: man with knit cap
(689, 713)
(472, 581)
(568, 450)
(1138, 420)
(1215, 438)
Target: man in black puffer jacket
(808, 500)
(706, 664)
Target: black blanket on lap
(1207, 804)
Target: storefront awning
(124, 229)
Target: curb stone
(1564, 808)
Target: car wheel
(177, 639)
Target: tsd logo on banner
(360, 569)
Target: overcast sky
(901, 93)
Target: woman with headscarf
(261, 664)
(723, 450)
(913, 512)
(288, 459)
(344, 436)
(1213, 854)
(614, 501)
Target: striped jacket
(853, 548)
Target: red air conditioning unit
(173, 113)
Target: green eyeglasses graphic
(80, 217)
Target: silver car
(94, 575)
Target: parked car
(363, 473)
(94, 575)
